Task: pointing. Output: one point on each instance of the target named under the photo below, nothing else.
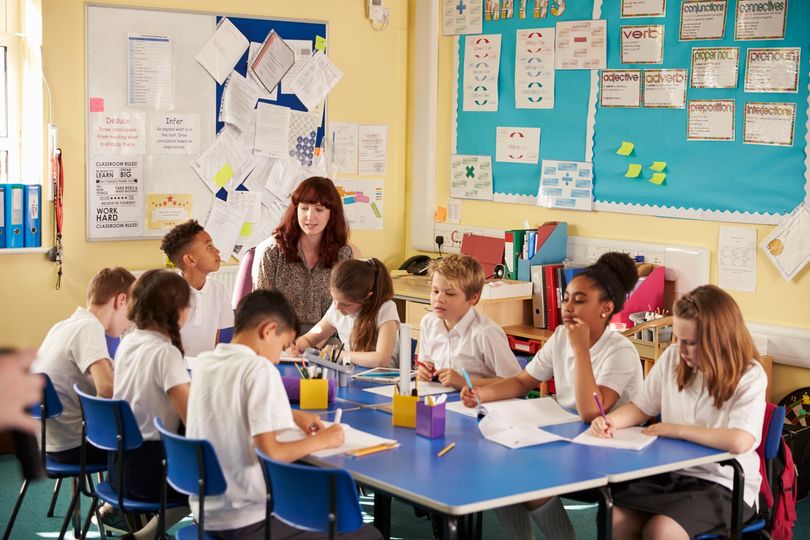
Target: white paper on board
(223, 50)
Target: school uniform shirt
(236, 395)
(66, 354)
(614, 360)
(147, 366)
(211, 312)
(345, 323)
(476, 343)
(693, 405)
(306, 290)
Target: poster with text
(482, 60)
(703, 19)
(769, 123)
(462, 17)
(581, 44)
(165, 210)
(760, 19)
(534, 69)
(772, 70)
(174, 133)
(471, 177)
(643, 44)
(620, 88)
(715, 67)
(517, 144)
(665, 88)
(566, 184)
(644, 8)
(118, 133)
(362, 203)
(116, 197)
(710, 120)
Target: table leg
(737, 498)
(382, 514)
(604, 515)
(452, 524)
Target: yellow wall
(372, 91)
(774, 302)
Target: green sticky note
(658, 166)
(375, 210)
(223, 175)
(658, 178)
(626, 148)
(247, 229)
(633, 170)
(320, 43)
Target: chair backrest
(244, 277)
(51, 405)
(301, 496)
(105, 419)
(190, 460)
(774, 434)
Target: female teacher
(311, 239)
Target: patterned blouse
(307, 290)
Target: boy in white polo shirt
(75, 351)
(191, 250)
(238, 403)
(456, 336)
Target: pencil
(372, 449)
(446, 449)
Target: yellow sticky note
(626, 148)
(658, 178)
(247, 229)
(658, 166)
(223, 175)
(633, 170)
(320, 43)
(441, 214)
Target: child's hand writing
(601, 428)
(451, 377)
(468, 397)
(332, 436)
(308, 422)
(426, 370)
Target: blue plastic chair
(51, 407)
(774, 436)
(192, 468)
(309, 498)
(110, 425)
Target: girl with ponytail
(151, 375)
(362, 313)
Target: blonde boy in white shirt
(455, 336)
(191, 249)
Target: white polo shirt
(147, 366)
(745, 410)
(345, 323)
(475, 343)
(614, 360)
(236, 395)
(66, 354)
(211, 311)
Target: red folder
(487, 250)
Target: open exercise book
(499, 429)
(630, 438)
(354, 439)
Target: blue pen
(470, 385)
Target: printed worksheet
(710, 120)
(703, 19)
(715, 67)
(223, 50)
(769, 123)
(737, 258)
(772, 70)
(642, 44)
(620, 88)
(462, 17)
(517, 144)
(471, 177)
(581, 44)
(150, 76)
(482, 60)
(534, 69)
(566, 184)
(758, 19)
(665, 88)
(788, 245)
(644, 8)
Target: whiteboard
(194, 92)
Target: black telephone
(418, 264)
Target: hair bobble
(370, 262)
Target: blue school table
(480, 475)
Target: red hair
(314, 190)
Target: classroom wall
(372, 91)
(774, 302)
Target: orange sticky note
(441, 214)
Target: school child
(709, 388)
(75, 352)
(454, 336)
(584, 357)
(238, 403)
(151, 376)
(191, 250)
(362, 313)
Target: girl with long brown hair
(362, 313)
(709, 389)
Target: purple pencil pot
(430, 420)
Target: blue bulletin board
(729, 181)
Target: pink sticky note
(359, 197)
(96, 104)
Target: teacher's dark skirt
(699, 506)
